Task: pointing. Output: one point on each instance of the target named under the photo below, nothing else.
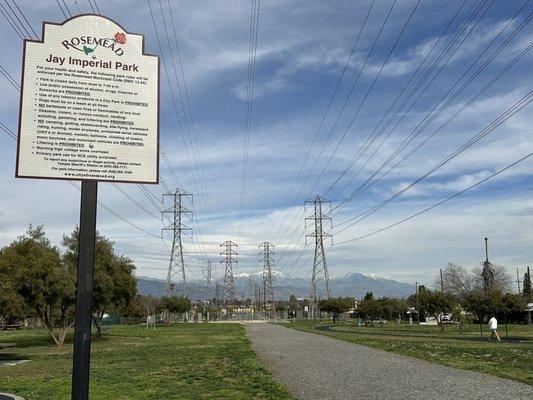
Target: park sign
(89, 111)
(89, 107)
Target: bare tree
(460, 282)
(456, 281)
(501, 279)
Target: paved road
(317, 367)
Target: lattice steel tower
(208, 276)
(320, 267)
(250, 290)
(267, 260)
(228, 291)
(176, 267)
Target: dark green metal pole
(82, 333)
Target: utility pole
(176, 267)
(228, 291)
(530, 297)
(268, 291)
(517, 281)
(320, 267)
(417, 304)
(441, 282)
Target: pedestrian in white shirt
(493, 326)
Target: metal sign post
(82, 333)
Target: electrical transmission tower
(257, 295)
(208, 276)
(250, 292)
(217, 294)
(228, 291)
(267, 260)
(176, 267)
(320, 267)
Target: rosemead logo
(88, 44)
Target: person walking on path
(493, 326)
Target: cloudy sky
(353, 124)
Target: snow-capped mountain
(353, 284)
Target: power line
(466, 105)
(24, 17)
(14, 137)
(97, 8)
(78, 6)
(66, 7)
(20, 22)
(370, 52)
(436, 204)
(8, 132)
(440, 106)
(11, 22)
(186, 105)
(420, 65)
(116, 186)
(369, 182)
(11, 134)
(465, 25)
(367, 94)
(174, 102)
(61, 8)
(348, 96)
(426, 57)
(509, 113)
(91, 5)
(252, 50)
(330, 102)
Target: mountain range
(350, 285)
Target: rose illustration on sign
(120, 37)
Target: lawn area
(511, 359)
(185, 361)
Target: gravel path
(317, 367)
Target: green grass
(511, 359)
(186, 361)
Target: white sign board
(89, 108)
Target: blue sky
(302, 49)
